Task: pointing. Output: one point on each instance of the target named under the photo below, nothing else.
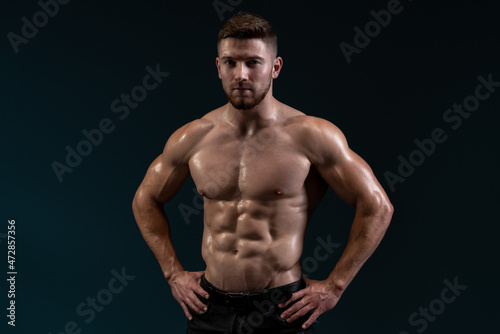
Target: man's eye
(253, 62)
(229, 62)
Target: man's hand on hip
(316, 298)
(185, 285)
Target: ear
(217, 63)
(277, 66)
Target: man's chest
(260, 168)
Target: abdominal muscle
(251, 245)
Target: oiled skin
(259, 192)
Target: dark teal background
(71, 234)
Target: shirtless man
(262, 167)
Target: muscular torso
(259, 191)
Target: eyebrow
(246, 58)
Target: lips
(243, 92)
(242, 88)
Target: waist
(247, 300)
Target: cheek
(267, 71)
(225, 74)
(226, 82)
(264, 74)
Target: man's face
(246, 68)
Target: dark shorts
(252, 312)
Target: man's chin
(242, 104)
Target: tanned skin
(262, 168)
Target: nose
(241, 73)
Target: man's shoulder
(301, 124)
(184, 140)
(319, 139)
(197, 128)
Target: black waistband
(250, 299)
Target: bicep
(163, 179)
(351, 179)
(346, 173)
(168, 171)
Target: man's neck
(249, 121)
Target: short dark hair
(248, 25)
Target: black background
(71, 234)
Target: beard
(246, 102)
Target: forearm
(155, 229)
(366, 233)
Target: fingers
(295, 311)
(196, 304)
(186, 311)
(200, 291)
(197, 287)
(297, 295)
(192, 301)
(186, 290)
(300, 313)
(311, 320)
